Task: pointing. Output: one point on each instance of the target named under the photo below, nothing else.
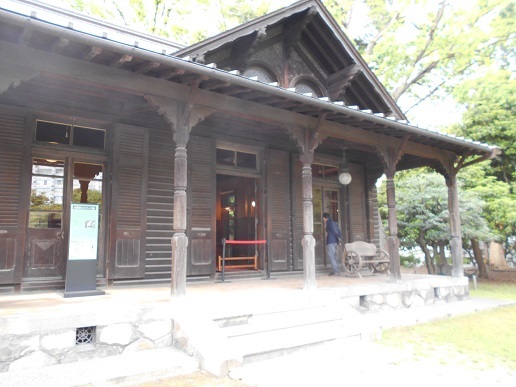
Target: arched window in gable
(305, 86)
(261, 73)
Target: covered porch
(220, 325)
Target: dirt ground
(506, 275)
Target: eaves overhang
(159, 61)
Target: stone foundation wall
(412, 298)
(28, 346)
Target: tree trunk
(479, 259)
(444, 267)
(428, 257)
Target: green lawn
(501, 291)
(482, 339)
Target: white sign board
(84, 231)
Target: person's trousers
(331, 251)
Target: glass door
(55, 183)
(324, 200)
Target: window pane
(225, 157)
(246, 160)
(331, 204)
(47, 185)
(317, 204)
(331, 173)
(92, 138)
(305, 87)
(87, 183)
(48, 167)
(326, 172)
(262, 74)
(52, 133)
(46, 199)
(331, 195)
(40, 219)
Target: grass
(499, 290)
(481, 340)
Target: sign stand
(81, 268)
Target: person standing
(333, 236)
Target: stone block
(407, 299)
(442, 293)
(55, 343)
(153, 330)
(139, 345)
(417, 301)
(35, 359)
(90, 351)
(393, 300)
(14, 347)
(165, 341)
(121, 334)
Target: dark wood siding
(297, 213)
(12, 152)
(201, 204)
(357, 205)
(160, 204)
(128, 202)
(278, 208)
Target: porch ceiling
(65, 41)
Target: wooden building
(242, 136)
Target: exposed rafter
(340, 80)
(292, 34)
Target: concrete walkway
(329, 364)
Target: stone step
(277, 320)
(275, 333)
(269, 344)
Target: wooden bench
(246, 265)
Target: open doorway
(237, 215)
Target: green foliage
(236, 12)
(409, 260)
(94, 196)
(422, 210)
(499, 198)
(491, 117)
(43, 203)
(422, 48)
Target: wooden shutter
(201, 204)
(12, 221)
(278, 208)
(297, 213)
(128, 202)
(357, 204)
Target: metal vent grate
(84, 335)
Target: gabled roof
(104, 47)
(315, 30)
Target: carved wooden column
(449, 169)
(390, 158)
(180, 240)
(455, 227)
(308, 241)
(182, 117)
(307, 141)
(393, 241)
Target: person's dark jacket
(332, 232)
